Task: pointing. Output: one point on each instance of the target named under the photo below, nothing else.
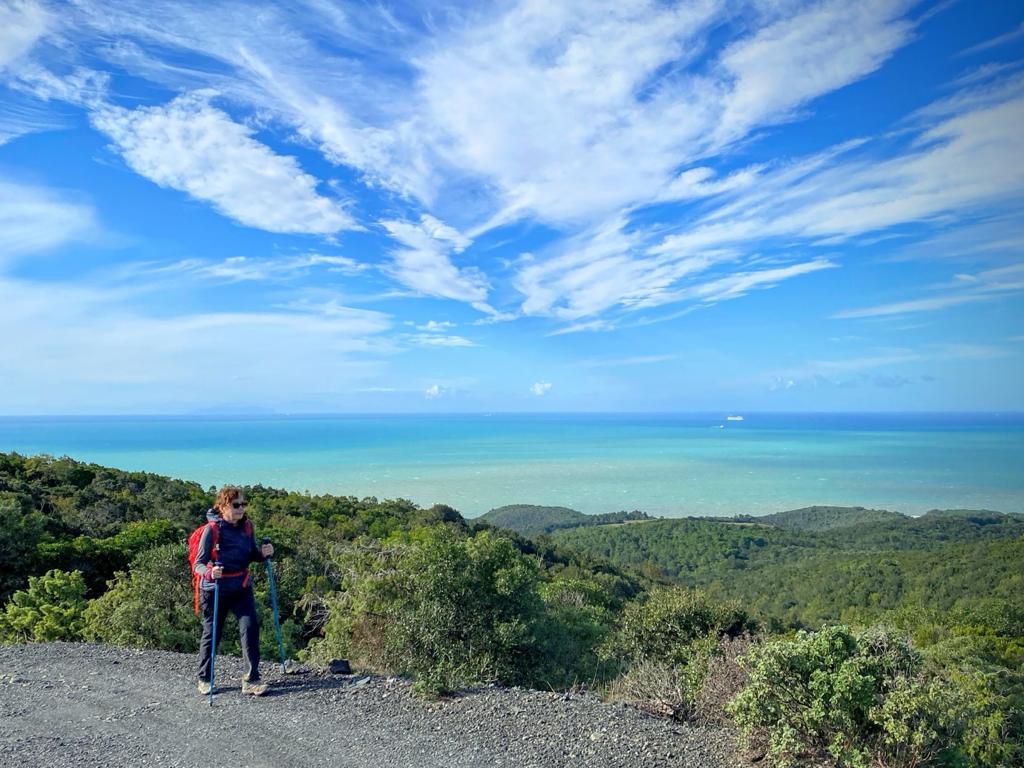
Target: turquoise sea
(672, 465)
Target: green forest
(850, 637)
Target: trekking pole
(273, 606)
(213, 644)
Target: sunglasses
(239, 504)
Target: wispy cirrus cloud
(877, 368)
(71, 348)
(235, 269)
(988, 285)
(192, 146)
(966, 162)
(993, 42)
(22, 24)
(566, 113)
(616, 362)
(424, 262)
(35, 218)
(584, 118)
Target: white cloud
(988, 285)
(572, 113)
(435, 326)
(541, 388)
(19, 116)
(969, 162)
(993, 42)
(36, 219)
(797, 59)
(616, 362)
(424, 263)
(434, 390)
(246, 269)
(436, 340)
(88, 349)
(838, 372)
(194, 147)
(22, 23)
(569, 111)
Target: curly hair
(225, 496)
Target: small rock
(339, 667)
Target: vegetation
(826, 518)
(847, 637)
(531, 520)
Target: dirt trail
(87, 705)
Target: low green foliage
(422, 592)
(149, 606)
(671, 622)
(447, 608)
(50, 609)
(859, 699)
(663, 646)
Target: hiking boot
(203, 687)
(254, 689)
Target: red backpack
(193, 550)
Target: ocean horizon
(668, 464)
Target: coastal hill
(92, 553)
(818, 564)
(533, 520)
(825, 518)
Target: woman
(229, 540)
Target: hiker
(236, 547)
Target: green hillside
(827, 518)
(696, 551)
(533, 520)
(932, 608)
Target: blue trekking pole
(213, 644)
(273, 606)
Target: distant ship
(734, 418)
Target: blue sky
(322, 206)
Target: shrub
(577, 621)
(656, 688)
(665, 643)
(723, 679)
(150, 606)
(20, 532)
(449, 609)
(50, 609)
(672, 624)
(857, 699)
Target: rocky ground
(82, 705)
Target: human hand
(267, 550)
(217, 571)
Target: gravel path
(69, 704)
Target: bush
(665, 644)
(50, 609)
(656, 688)
(859, 699)
(723, 679)
(672, 624)
(449, 609)
(150, 606)
(989, 699)
(577, 621)
(20, 532)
